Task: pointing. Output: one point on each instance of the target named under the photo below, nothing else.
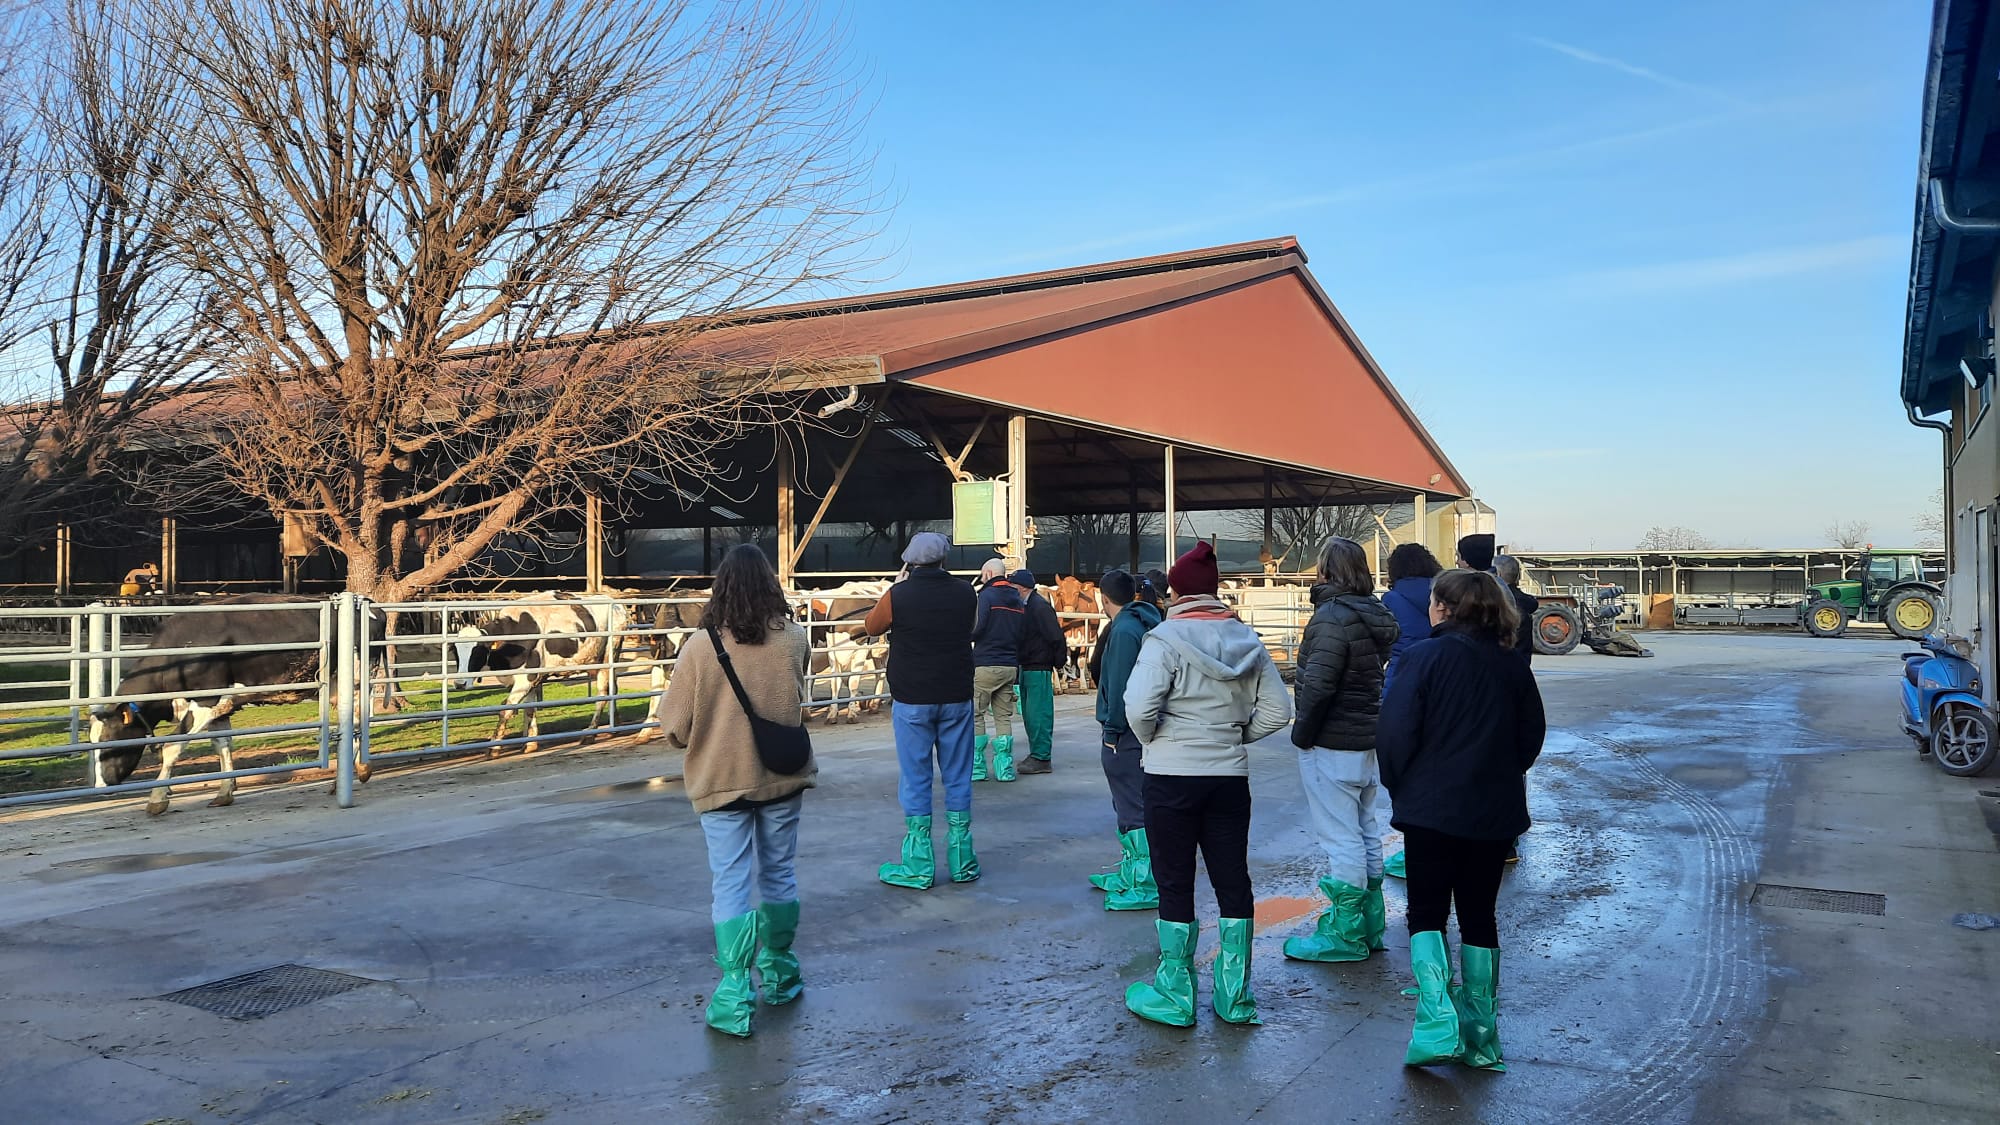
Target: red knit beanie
(1195, 572)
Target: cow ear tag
(132, 709)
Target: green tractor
(1891, 590)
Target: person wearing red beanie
(1204, 687)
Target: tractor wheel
(1826, 618)
(1911, 613)
(1557, 630)
(1962, 740)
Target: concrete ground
(539, 939)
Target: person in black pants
(1204, 688)
(1461, 724)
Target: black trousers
(1447, 871)
(1127, 779)
(1209, 813)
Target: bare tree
(1930, 522)
(1674, 539)
(1101, 541)
(88, 196)
(473, 252)
(1848, 535)
(1298, 532)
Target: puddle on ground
(605, 792)
(1274, 912)
(123, 865)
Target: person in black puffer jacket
(1339, 696)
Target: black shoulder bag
(782, 749)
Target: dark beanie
(1154, 588)
(1117, 587)
(1477, 551)
(1195, 572)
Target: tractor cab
(1891, 590)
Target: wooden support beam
(839, 476)
(593, 542)
(1017, 490)
(787, 523)
(170, 555)
(65, 558)
(1168, 488)
(955, 465)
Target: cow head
(496, 655)
(116, 724)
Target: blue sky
(1633, 264)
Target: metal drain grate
(1812, 898)
(266, 992)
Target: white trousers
(1341, 787)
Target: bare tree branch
(468, 251)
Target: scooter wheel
(1962, 742)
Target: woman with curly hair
(749, 814)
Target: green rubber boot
(1003, 757)
(1478, 1003)
(1342, 933)
(958, 847)
(734, 1000)
(1169, 997)
(1233, 999)
(1114, 880)
(1376, 914)
(979, 758)
(777, 926)
(1138, 891)
(1394, 866)
(918, 869)
(1434, 1037)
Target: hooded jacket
(1410, 600)
(1117, 650)
(1001, 618)
(1043, 647)
(1339, 681)
(1461, 724)
(1203, 689)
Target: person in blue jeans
(749, 813)
(928, 618)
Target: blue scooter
(1942, 708)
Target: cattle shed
(1216, 379)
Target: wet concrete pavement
(539, 933)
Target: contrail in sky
(1620, 65)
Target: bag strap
(729, 669)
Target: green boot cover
(1478, 1007)
(733, 1002)
(1394, 866)
(1138, 891)
(958, 847)
(1169, 997)
(1115, 880)
(1233, 999)
(1377, 914)
(918, 869)
(1003, 757)
(1434, 1038)
(777, 925)
(1342, 933)
(979, 758)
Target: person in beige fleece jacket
(749, 815)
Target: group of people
(1426, 692)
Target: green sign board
(978, 512)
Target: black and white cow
(539, 636)
(207, 678)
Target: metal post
(593, 543)
(329, 660)
(170, 555)
(96, 672)
(1017, 488)
(346, 609)
(1168, 487)
(76, 677)
(1132, 523)
(1419, 507)
(787, 527)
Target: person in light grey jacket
(1204, 688)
